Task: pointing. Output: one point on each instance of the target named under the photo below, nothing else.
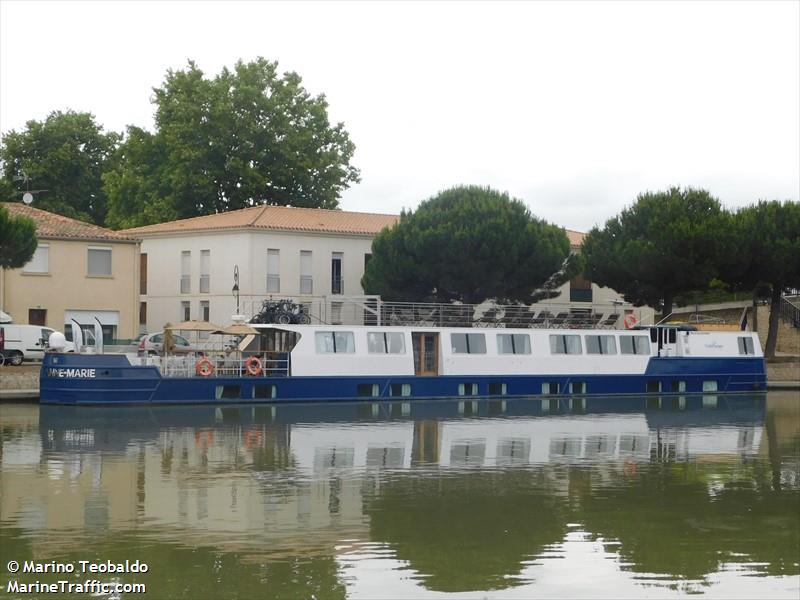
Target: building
(187, 266)
(313, 256)
(581, 293)
(79, 272)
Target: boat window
(653, 386)
(497, 389)
(227, 392)
(468, 343)
(634, 344)
(368, 389)
(678, 385)
(601, 344)
(338, 342)
(551, 387)
(672, 335)
(710, 386)
(400, 389)
(467, 389)
(513, 343)
(577, 387)
(386, 342)
(264, 391)
(746, 345)
(565, 344)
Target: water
(480, 499)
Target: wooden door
(426, 353)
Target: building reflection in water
(460, 495)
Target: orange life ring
(204, 437)
(204, 367)
(253, 366)
(630, 321)
(253, 438)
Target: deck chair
(610, 321)
(488, 318)
(544, 318)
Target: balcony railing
(790, 311)
(337, 285)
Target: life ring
(253, 366)
(630, 321)
(204, 367)
(204, 437)
(253, 438)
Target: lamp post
(235, 289)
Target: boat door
(426, 352)
(666, 340)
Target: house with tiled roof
(80, 273)
(188, 265)
(313, 256)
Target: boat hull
(110, 379)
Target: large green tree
(665, 244)
(17, 239)
(468, 244)
(765, 242)
(245, 136)
(66, 155)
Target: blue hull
(110, 379)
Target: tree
(468, 244)
(768, 253)
(241, 138)
(667, 243)
(17, 239)
(65, 155)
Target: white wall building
(313, 256)
(187, 266)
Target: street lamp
(235, 289)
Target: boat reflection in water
(399, 499)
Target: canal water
(637, 497)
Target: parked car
(153, 343)
(19, 343)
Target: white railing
(220, 366)
(371, 310)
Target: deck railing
(371, 310)
(220, 366)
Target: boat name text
(85, 373)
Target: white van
(25, 342)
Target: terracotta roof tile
(51, 225)
(575, 237)
(278, 218)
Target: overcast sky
(573, 107)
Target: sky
(573, 107)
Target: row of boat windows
(392, 342)
(403, 390)
(548, 388)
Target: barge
(329, 363)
